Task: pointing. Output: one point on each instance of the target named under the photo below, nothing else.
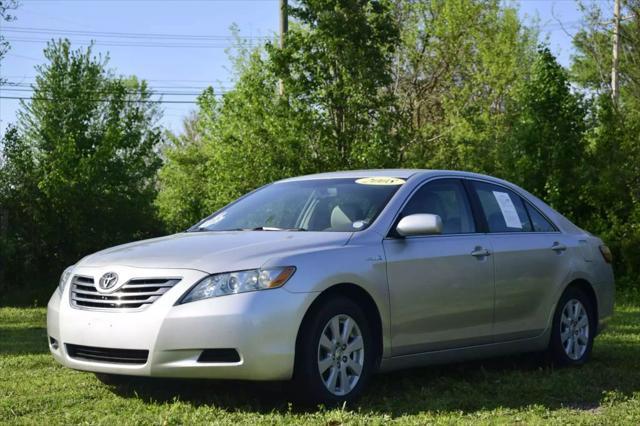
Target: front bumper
(261, 326)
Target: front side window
(331, 205)
(503, 209)
(447, 199)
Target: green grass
(519, 389)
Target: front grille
(135, 295)
(119, 356)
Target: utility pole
(284, 27)
(615, 90)
(284, 22)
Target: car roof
(398, 173)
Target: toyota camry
(326, 279)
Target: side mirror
(419, 224)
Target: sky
(180, 46)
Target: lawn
(519, 389)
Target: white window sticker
(511, 218)
(380, 180)
(217, 218)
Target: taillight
(606, 253)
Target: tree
(336, 69)
(184, 177)
(591, 65)
(612, 193)
(79, 169)
(545, 150)
(613, 190)
(5, 15)
(455, 74)
(336, 112)
(241, 141)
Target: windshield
(331, 205)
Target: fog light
(226, 355)
(53, 342)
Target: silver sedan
(326, 279)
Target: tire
(336, 354)
(574, 327)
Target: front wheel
(573, 329)
(335, 353)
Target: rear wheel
(573, 329)
(335, 354)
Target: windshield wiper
(257, 228)
(273, 228)
(199, 229)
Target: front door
(441, 286)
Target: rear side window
(539, 222)
(446, 198)
(504, 210)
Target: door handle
(557, 247)
(480, 252)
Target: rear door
(441, 286)
(530, 260)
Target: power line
(152, 88)
(561, 25)
(30, 58)
(155, 1)
(115, 34)
(151, 92)
(29, 98)
(124, 43)
(33, 77)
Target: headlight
(238, 282)
(64, 278)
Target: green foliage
(459, 64)
(612, 163)
(79, 170)
(456, 84)
(335, 114)
(366, 85)
(182, 180)
(613, 190)
(591, 65)
(545, 150)
(244, 140)
(335, 68)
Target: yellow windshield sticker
(380, 180)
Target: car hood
(214, 251)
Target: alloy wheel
(340, 354)
(574, 329)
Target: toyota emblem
(108, 281)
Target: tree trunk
(4, 228)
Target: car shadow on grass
(463, 387)
(515, 382)
(232, 395)
(23, 340)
